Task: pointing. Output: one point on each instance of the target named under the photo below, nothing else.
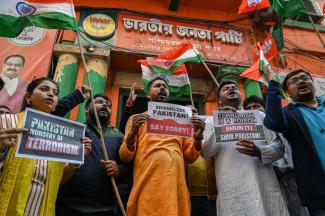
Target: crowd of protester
(170, 175)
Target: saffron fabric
(159, 185)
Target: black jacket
(290, 122)
(90, 190)
(68, 102)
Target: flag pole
(102, 141)
(316, 30)
(208, 69)
(191, 95)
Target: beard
(305, 97)
(162, 96)
(234, 101)
(305, 93)
(103, 118)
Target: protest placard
(169, 119)
(242, 124)
(51, 138)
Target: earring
(28, 103)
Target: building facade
(116, 34)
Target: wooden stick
(208, 69)
(102, 141)
(316, 30)
(191, 95)
(253, 32)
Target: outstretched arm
(70, 101)
(275, 119)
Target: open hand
(248, 147)
(132, 96)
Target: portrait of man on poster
(14, 88)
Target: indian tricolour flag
(256, 71)
(15, 15)
(179, 83)
(168, 61)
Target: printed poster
(51, 138)
(242, 124)
(169, 119)
(21, 59)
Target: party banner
(154, 35)
(169, 119)
(21, 59)
(242, 124)
(51, 138)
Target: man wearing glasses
(14, 90)
(302, 123)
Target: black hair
(33, 85)
(291, 74)
(88, 102)
(15, 55)
(223, 83)
(2, 84)
(254, 99)
(157, 77)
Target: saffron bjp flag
(178, 85)
(273, 43)
(248, 6)
(15, 15)
(169, 61)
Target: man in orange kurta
(159, 186)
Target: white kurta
(247, 186)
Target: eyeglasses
(296, 79)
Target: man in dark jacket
(87, 190)
(302, 123)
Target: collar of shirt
(320, 101)
(10, 84)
